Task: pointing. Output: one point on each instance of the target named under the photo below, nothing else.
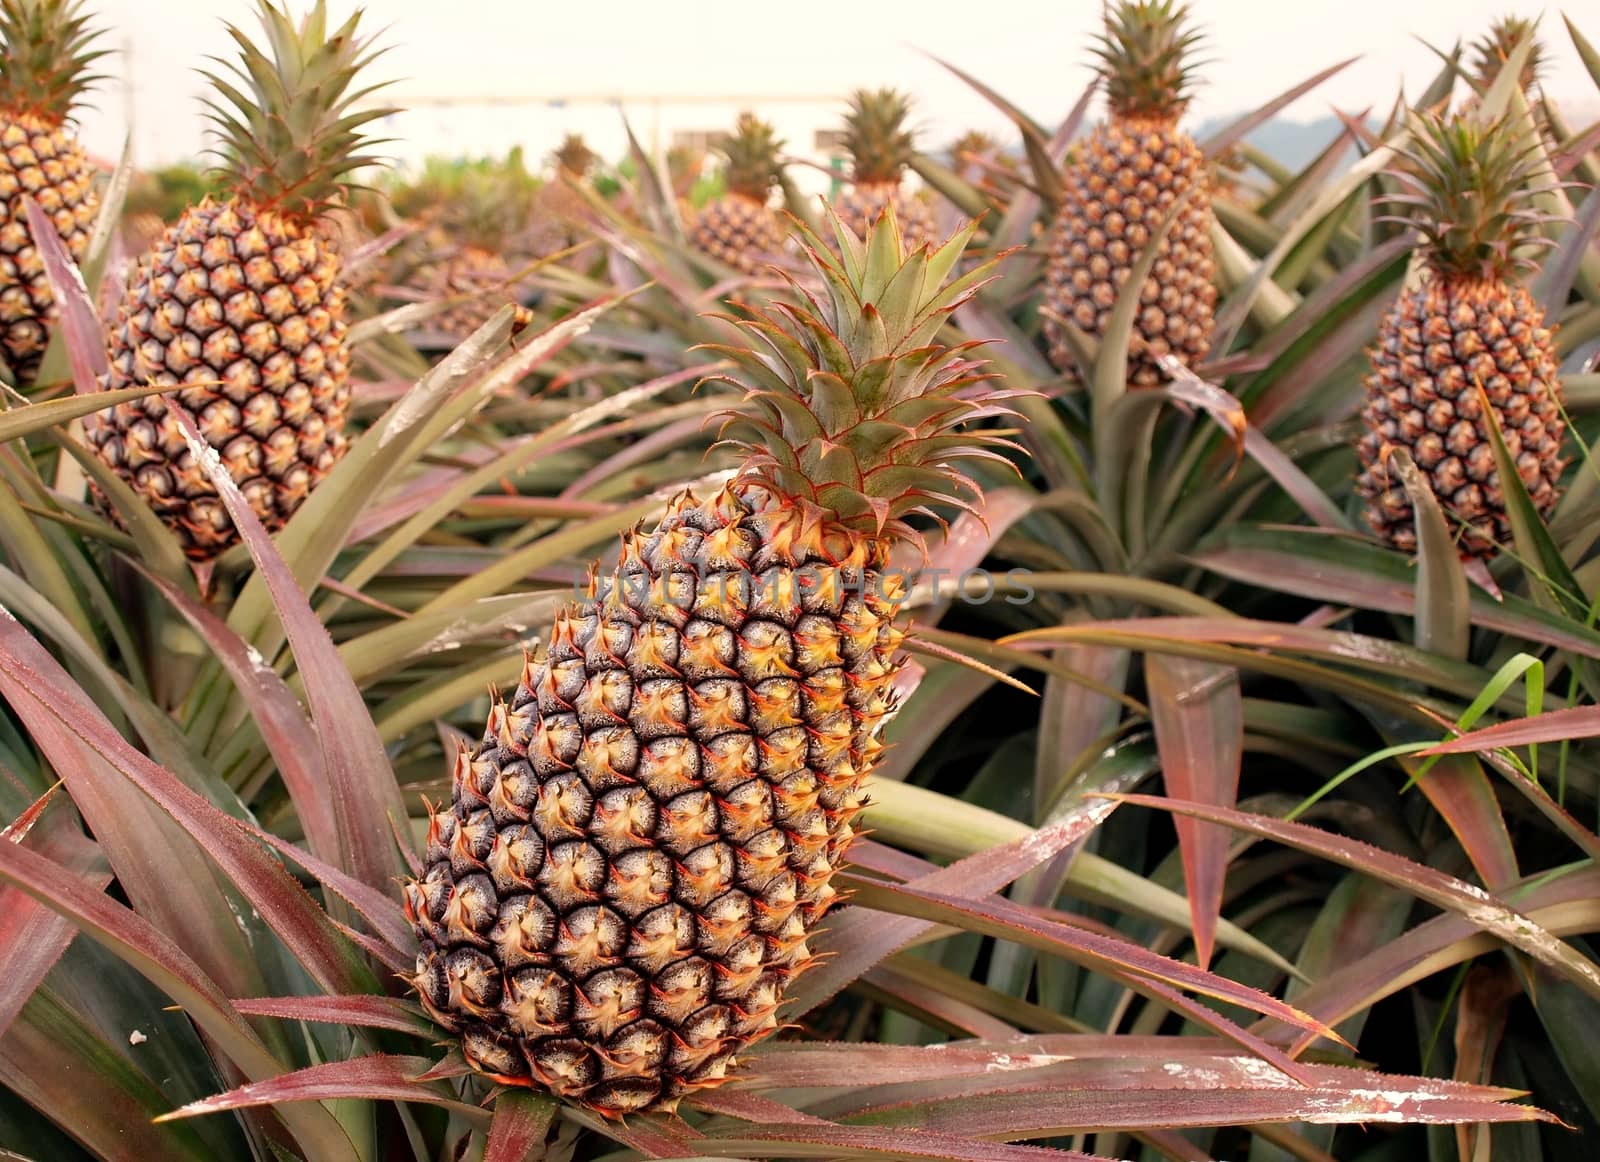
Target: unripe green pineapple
(241, 299)
(622, 887)
(1121, 185)
(44, 70)
(1466, 335)
(881, 146)
(740, 227)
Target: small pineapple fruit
(740, 227)
(574, 159)
(1466, 332)
(242, 300)
(44, 70)
(1120, 187)
(980, 160)
(881, 147)
(483, 218)
(620, 891)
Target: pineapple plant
(1120, 187)
(740, 227)
(1490, 54)
(622, 885)
(1465, 344)
(979, 159)
(484, 217)
(880, 147)
(242, 300)
(45, 61)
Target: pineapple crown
(489, 201)
(45, 58)
(574, 158)
(751, 152)
(291, 132)
(1469, 190)
(1494, 49)
(876, 137)
(1144, 58)
(855, 402)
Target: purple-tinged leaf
(1552, 726)
(1461, 792)
(1289, 476)
(68, 725)
(85, 339)
(32, 936)
(378, 1077)
(379, 909)
(860, 938)
(362, 790)
(808, 1140)
(1130, 963)
(654, 1136)
(139, 944)
(277, 713)
(58, 1064)
(1559, 269)
(1197, 710)
(1488, 912)
(807, 1064)
(1202, 1096)
(1345, 571)
(738, 1102)
(368, 1012)
(520, 1125)
(1482, 1008)
(1568, 903)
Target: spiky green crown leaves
(45, 58)
(751, 152)
(876, 135)
(1494, 49)
(857, 407)
(291, 131)
(1469, 191)
(487, 201)
(1145, 58)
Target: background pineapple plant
(1467, 326)
(45, 58)
(880, 146)
(242, 300)
(621, 888)
(1120, 187)
(485, 215)
(739, 227)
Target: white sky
(1032, 51)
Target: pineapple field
(1078, 644)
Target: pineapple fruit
(1119, 188)
(740, 227)
(241, 299)
(44, 69)
(622, 886)
(1466, 327)
(881, 147)
(484, 219)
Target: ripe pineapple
(1467, 324)
(1120, 187)
(242, 298)
(622, 886)
(880, 148)
(44, 70)
(740, 228)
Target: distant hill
(1291, 143)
